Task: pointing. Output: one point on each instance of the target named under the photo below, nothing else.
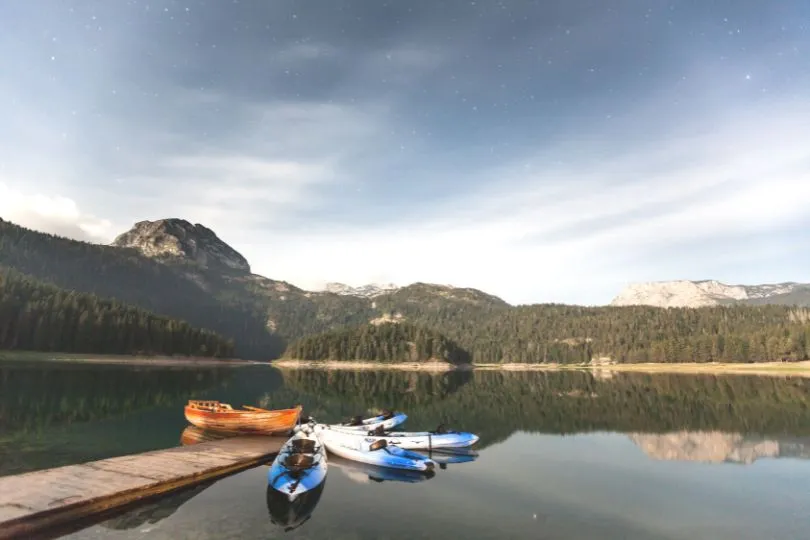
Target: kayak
(417, 440)
(300, 465)
(387, 420)
(371, 450)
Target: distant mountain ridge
(366, 291)
(685, 293)
(174, 268)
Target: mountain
(183, 271)
(694, 294)
(167, 238)
(365, 291)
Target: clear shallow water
(562, 455)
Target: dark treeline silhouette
(386, 342)
(42, 317)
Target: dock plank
(40, 500)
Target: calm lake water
(561, 456)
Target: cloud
(52, 214)
(536, 152)
(575, 229)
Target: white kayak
(417, 440)
(387, 420)
(371, 450)
(300, 466)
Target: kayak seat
(378, 445)
(299, 461)
(306, 446)
(355, 421)
(379, 431)
(387, 414)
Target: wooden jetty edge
(33, 502)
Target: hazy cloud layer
(548, 151)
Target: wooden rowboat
(216, 416)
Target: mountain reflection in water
(719, 447)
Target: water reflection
(56, 413)
(154, 511)
(565, 454)
(36, 395)
(497, 404)
(195, 435)
(719, 447)
(292, 514)
(363, 473)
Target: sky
(542, 151)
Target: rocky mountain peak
(367, 291)
(684, 293)
(167, 238)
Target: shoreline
(118, 359)
(709, 368)
(357, 364)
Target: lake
(563, 455)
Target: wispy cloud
(570, 229)
(52, 214)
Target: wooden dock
(34, 502)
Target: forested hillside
(264, 316)
(574, 334)
(387, 342)
(42, 317)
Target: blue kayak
(300, 466)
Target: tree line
(386, 342)
(39, 316)
(263, 316)
(554, 333)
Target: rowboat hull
(260, 421)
